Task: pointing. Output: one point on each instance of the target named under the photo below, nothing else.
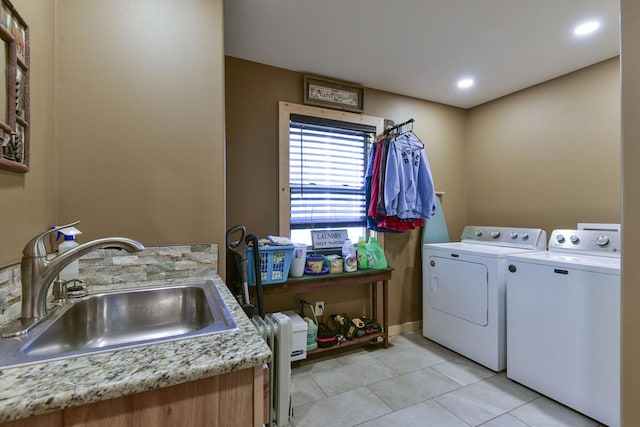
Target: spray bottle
(71, 271)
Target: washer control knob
(560, 238)
(512, 268)
(495, 234)
(524, 236)
(514, 235)
(574, 239)
(432, 263)
(602, 240)
(478, 233)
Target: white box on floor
(299, 327)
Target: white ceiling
(420, 48)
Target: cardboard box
(299, 342)
(335, 264)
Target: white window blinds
(327, 161)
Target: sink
(121, 319)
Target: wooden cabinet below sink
(232, 399)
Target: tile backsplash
(105, 269)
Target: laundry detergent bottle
(312, 334)
(362, 254)
(377, 260)
(349, 256)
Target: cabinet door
(227, 400)
(50, 419)
(223, 400)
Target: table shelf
(367, 339)
(373, 278)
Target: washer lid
(494, 251)
(598, 264)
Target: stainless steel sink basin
(121, 319)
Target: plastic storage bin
(275, 262)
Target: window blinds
(327, 161)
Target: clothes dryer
(464, 290)
(563, 321)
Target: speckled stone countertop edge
(38, 388)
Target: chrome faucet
(38, 273)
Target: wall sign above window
(14, 90)
(323, 92)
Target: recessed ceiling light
(586, 28)
(465, 83)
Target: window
(325, 154)
(327, 161)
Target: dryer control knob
(512, 268)
(432, 263)
(574, 239)
(560, 238)
(602, 240)
(514, 235)
(478, 233)
(524, 236)
(495, 234)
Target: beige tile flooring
(416, 382)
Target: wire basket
(275, 262)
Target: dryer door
(458, 288)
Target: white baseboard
(405, 328)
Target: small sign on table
(328, 239)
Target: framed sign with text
(328, 239)
(323, 92)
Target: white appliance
(464, 290)
(277, 331)
(563, 317)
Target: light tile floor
(416, 382)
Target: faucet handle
(60, 292)
(36, 248)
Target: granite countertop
(54, 385)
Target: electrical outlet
(319, 308)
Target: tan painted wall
(140, 119)
(631, 211)
(548, 156)
(27, 201)
(252, 95)
(253, 91)
(443, 131)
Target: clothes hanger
(416, 142)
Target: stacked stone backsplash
(105, 269)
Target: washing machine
(563, 321)
(464, 290)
